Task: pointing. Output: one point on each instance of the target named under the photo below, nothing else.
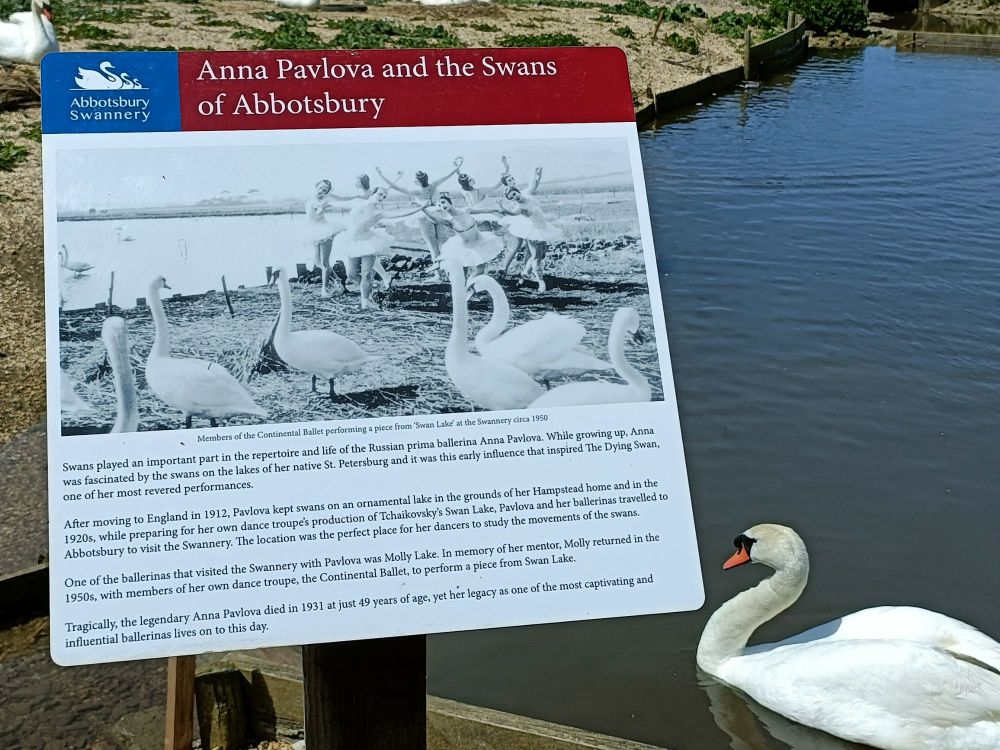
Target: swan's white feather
(199, 388)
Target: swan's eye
(744, 542)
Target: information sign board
(351, 344)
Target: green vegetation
(11, 155)
(825, 15)
(684, 12)
(625, 32)
(732, 24)
(484, 27)
(292, 33)
(86, 31)
(33, 133)
(686, 44)
(377, 33)
(606, 19)
(540, 40)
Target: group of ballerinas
(359, 243)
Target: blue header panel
(110, 92)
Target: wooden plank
(366, 695)
(180, 703)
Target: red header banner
(280, 90)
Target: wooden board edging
(779, 52)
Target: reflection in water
(745, 721)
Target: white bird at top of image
(546, 347)
(75, 267)
(636, 386)
(895, 678)
(195, 387)
(320, 353)
(115, 338)
(489, 383)
(305, 4)
(27, 36)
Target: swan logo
(105, 78)
(110, 92)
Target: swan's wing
(532, 345)
(910, 624)
(575, 362)
(197, 386)
(866, 690)
(70, 401)
(318, 351)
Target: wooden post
(229, 304)
(180, 703)
(659, 20)
(111, 291)
(747, 43)
(366, 695)
(790, 23)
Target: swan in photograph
(115, 338)
(546, 347)
(488, 383)
(636, 386)
(895, 678)
(75, 267)
(70, 401)
(320, 353)
(26, 37)
(195, 387)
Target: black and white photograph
(304, 282)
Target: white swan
(115, 338)
(637, 388)
(488, 383)
(320, 353)
(75, 267)
(195, 387)
(546, 347)
(306, 4)
(896, 678)
(28, 36)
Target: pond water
(831, 251)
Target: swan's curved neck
(732, 624)
(285, 316)
(458, 341)
(127, 418)
(161, 335)
(616, 353)
(500, 316)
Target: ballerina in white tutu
(361, 239)
(526, 222)
(352, 266)
(321, 229)
(469, 246)
(424, 194)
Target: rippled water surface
(831, 245)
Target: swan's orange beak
(739, 558)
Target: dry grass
(19, 87)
